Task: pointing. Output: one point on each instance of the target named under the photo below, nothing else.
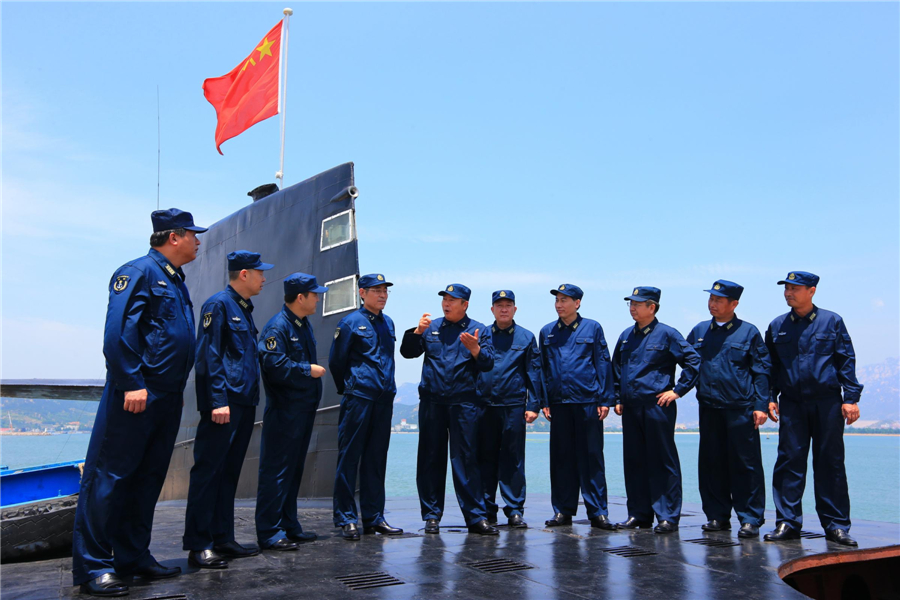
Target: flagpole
(282, 92)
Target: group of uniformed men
(480, 386)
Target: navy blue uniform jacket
(449, 373)
(362, 357)
(575, 360)
(735, 368)
(148, 341)
(227, 367)
(287, 348)
(644, 363)
(515, 379)
(812, 356)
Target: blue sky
(498, 145)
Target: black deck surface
(566, 562)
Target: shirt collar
(573, 325)
(810, 317)
(646, 330)
(462, 323)
(727, 326)
(171, 271)
(509, 330)
(245, 304)
(297, 321)
(370, 315)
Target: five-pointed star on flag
(265, 49)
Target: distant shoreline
(619, 432)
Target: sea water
(873, 467)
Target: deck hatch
(498, 565)
(809, 535)
(628, 551)
(711, 543)
(365, 581)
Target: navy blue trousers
(730, 466)
(576, 459)
(285, 440)
(124, 471)
(818, 421)
(502, 458)
(652, 468)
(458, 425)
(364, 435)
(219, 452)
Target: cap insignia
(717, 287)
(562, 287)
(792, 277)
(121, 283)
(503, 294)
(207, 320)
(380, 278)
(449, 288)
(271, 344)
(635, 292)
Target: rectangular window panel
(338, 230)
(341, 296)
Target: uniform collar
(462, 323)
(727, 326)
(370, 315)
(573, 325)
(297, 321)
(245, 304)
(172, 272)
(646, 330)
(810, 317)
(509, 330)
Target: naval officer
(578, 379)
(293, 382)
(644, 366)
(148, 343)
(512, 390)
(812, 363)
(227, 382)
(733, 392)
(456, 349)
(362, 365)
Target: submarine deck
(540, 563)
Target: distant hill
(47, 414)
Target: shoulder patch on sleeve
(121, 283)
(337, 333)
(271, 343)
(207, 319)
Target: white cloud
(877, 303)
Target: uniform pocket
(739, 353)
(162, 303)
(825, 343)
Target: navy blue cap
(568, 289)
(503, 295)
(645, 293)
(373, 279)
(726, 289)
(456, 290)
(301, 283)
(244, 259)
(164, 220)
(800, 278)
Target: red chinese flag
(249, 93)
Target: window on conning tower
(338, 230)
(341, 296)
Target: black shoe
(383, 528)
(517, 522)
(666, 527)
(234, 550)
(432, 526)
(206, 559)
(717, 525)
(283, 545)
(156, 571)
(748, 530)
(302, 537)
(603, 522)
(558, 520)
(107, 584)
(782, 532)
(840, 536)
(635, 523)
(350, 532)
(483, 528)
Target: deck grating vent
(365, 581)
(498, 565)
(711, 543)
(809, 535)
(628, 551)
